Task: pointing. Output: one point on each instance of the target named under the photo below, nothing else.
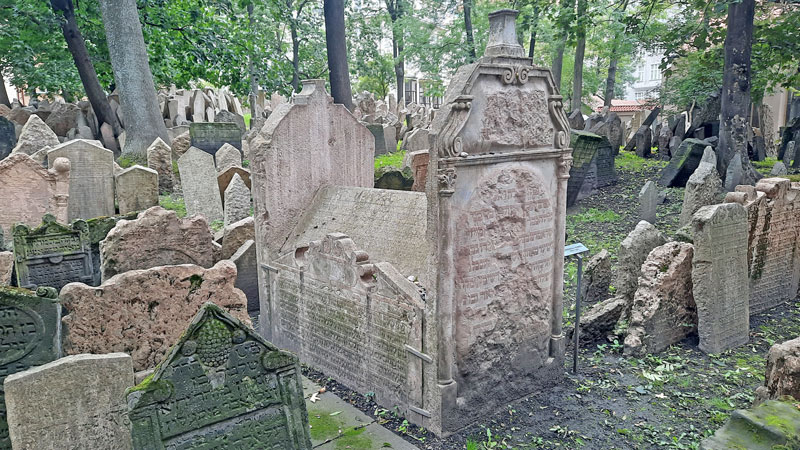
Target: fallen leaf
(335, 413)
(314, 397)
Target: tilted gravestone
(683, 163)
(247, 274)
(237, 201)
(8, 137)
(199, 192)
(91, 178)
(52, 254)
(31, 325)
(210, 137)
(228, 156)
(137, 189)
(73, 402)
(30, 191)
(719, 276)
(221, 386)
(648, 202)
(583, 174)
(702, 189)
(159, 158)
(225, 177)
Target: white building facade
(647, 75)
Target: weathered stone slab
(778, 169)
(583, 174)
(180, 144)
(236, 234)
(648, 202)
(33, 319)
(663, 310)
(209, 136)
(8, 137)
(52, 254)
(632, 253)
(416, 140)
(419, 167)
(596, 277)
(221, 386)
(91, 178)
(576, 121)
(783, 371)
(131, 245)
(247, 274)
(6, 267)
(73, 402)
(159, 158)
(225, 177)
(769, 426)
(702, 189)
(683, 163)
(788, 154)
(141, 312)
(719, 276)
(34, 136)
(136, 188)
(228, 156)
(199, 193)
(237, 201)
(599, 321)
(30, 191)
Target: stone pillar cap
(503, 34)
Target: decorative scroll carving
(560, 118)
(337, 258)
(447, 180)
(448, 143)
(515, 74)
(517, 118)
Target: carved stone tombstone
(499, 164)
(53, 254)
(221, 386)
(210, 137)
(91, 178)
(583, 174)
(137, 189)
(33, 319)
(197, 180)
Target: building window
(640, 73)
(639, 95)
(411, 91)
(655, 72)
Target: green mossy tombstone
(52, 254)
(31, 336)
(221, 387)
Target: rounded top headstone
(61, 165)
(503, 34)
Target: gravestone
(610, 126)
(34, 136)
(416, 140)
(576, 121)
(789, 154)
(663, 143)
(237, 201)
(247, 275)
(644, 142)
(778, 169)
(209, 136)
(8, 137)
(52, 254)
(702, 189)
(159, 158)
(719, 276)
(734, 173)
(604, 160)
(709, 156)
(759, 148)
(6, 266)
(199, 193)
(221, 386)
(648, 202)
(783, 373)
(225, 177)
(74, 402)
(633, 250)
(129, 245)
(142, 311)
(500, 159)
(228, 116)
(228, 156)
(137, 189)
(235, 235)
(583, 174)
(380, 140)
(390, 135)
(419, 167)
(30, 191)
(91, 178)
(32, 318)
(683, 163)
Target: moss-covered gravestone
(31, 336)
(221, 386)
(52, 254)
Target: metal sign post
(576, 250)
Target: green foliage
(173, 203)
(390, 159)
(595, 215)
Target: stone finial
(311, 88)
(503, 34)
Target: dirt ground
(670, 400)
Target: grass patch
(126, 161)
(594, 215)
(765, 164)
(173, 204)
(628, 161)
(247, 120)
(390, 159)
(216, 225)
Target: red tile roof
(626, 106)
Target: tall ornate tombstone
(499, 164)
(33, 318)
(221, 386)
(53, 254)
(91, 178)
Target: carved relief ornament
(561, 122)
(448, 142)
(515, 74)
(447, 180)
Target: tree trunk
(295, 57)
(395, 9)
(3, 93)
(735, 101)
(558, 60)
(91, 84)
(137, 91)
(468, 28)
(337, 53)
(580, 50)
(254, 112)
(534, 27)
(612, 77)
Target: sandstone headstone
(225, 177)
(709, 156)
(596, 277)
(32, 318)
(416, 140)
(247, 275)
(648, 202)
(734, 174)
(576, 121)
(230, 117)
(644, 142)
(703, 188)
(131, 245)
(632, 252)
(768, 426)
(380, 140)
(91, 178)
(221, 386)
(419, 167)
(783, 371)
(159, 158)
(35, 135)
(141, 312)
(664, 310)
(73, 402)
(137, 189)
(52, 254)
(30, 191)
(599, 321)
(6, 267)
(789, 154)
(719, 276)
(228, 156)
(759, 148)
(583, 174)
(778, 169)
(63, 117)
(390, 136)
(8, 137)
(197, 171)
(683, 163)
(180, 144)
(209, 136)
(663, 143)
(237, 201)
